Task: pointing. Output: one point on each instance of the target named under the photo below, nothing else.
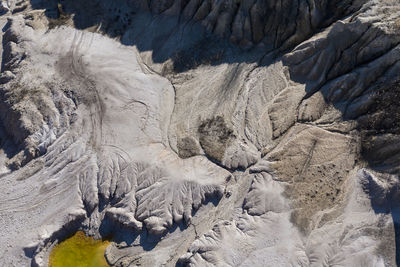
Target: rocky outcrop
(34, 113)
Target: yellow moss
(79, 251)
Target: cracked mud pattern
(201, 132)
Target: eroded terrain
(202, 132)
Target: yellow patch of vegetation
(79, 251)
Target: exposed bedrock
(273, 24)
(266, 236)
(351, 47)
(354, 64)
(113, 158)
(208, 133)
